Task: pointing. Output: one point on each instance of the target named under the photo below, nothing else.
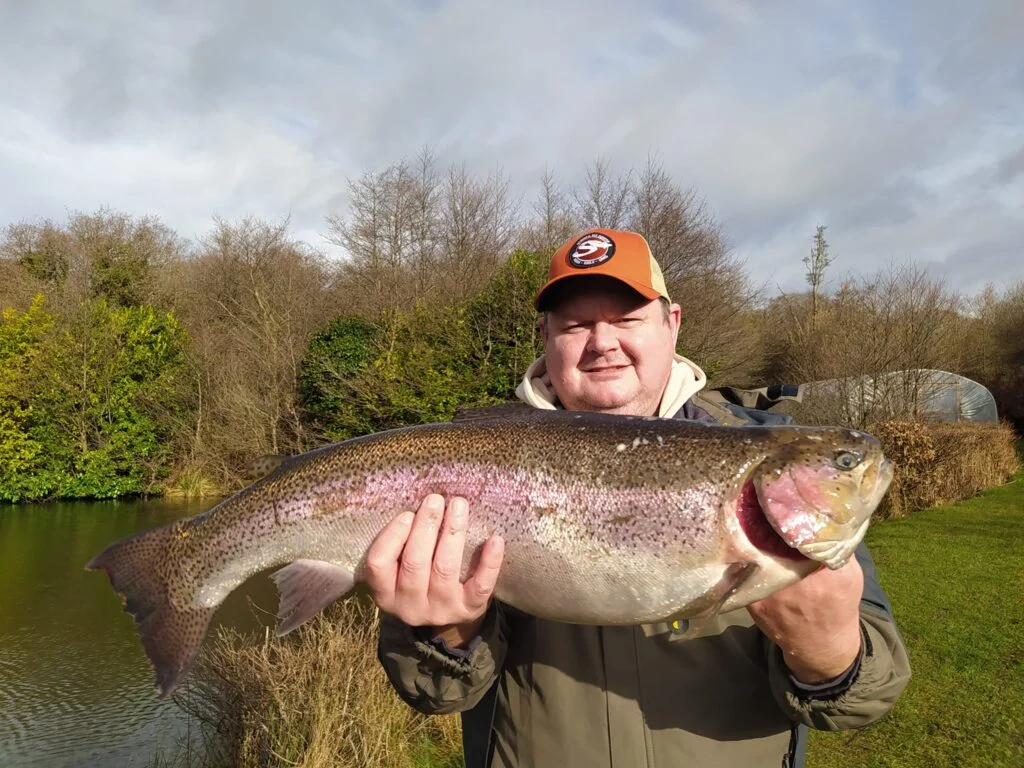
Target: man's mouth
(606, 369)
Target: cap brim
(644, 290)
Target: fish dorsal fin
(492, 412)
(264, 465)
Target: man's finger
(479, 587)
(382, 556)
(447, 566)
(414, 571)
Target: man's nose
(603, 338)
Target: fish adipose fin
(307, 587)
(702, 622)
(170, 634)
(262, 466)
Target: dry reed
(192, 482)
(941, 463)
(315, 698)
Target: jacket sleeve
(434, 679)
(869, 688)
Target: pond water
(76, 688)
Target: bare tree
(553, 221)
(873, 344)
(414, 235)
(996, 348)
(700, 272)
(42, 250)
(250, 299)
(17, 286)
(387, 234)
(478, 224)
(604, 200)
(427, 196)
(817, 261)
(106, 253)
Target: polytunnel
(919, 392)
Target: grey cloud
(1009, 168)
(894, 124)
(98, 91)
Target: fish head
(818, 489)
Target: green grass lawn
(956, 579)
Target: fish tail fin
(171, 634)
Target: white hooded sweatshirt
(685, 379)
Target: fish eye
(846, 459)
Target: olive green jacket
(536, 693)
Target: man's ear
(675, 316)
(542, 326)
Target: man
(823, 653)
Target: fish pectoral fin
(306, 587)
(700, 617)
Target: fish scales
(606, 519)
(514, 479)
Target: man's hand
(816, 622)
(414, 565)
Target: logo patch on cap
(591, 250)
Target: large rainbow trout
(606, 520)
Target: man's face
(609, 349)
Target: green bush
(421, 365)
(88, 401)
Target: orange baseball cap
(616, 253)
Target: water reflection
(75, 686)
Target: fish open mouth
(758, 530)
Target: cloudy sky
(902, 130)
